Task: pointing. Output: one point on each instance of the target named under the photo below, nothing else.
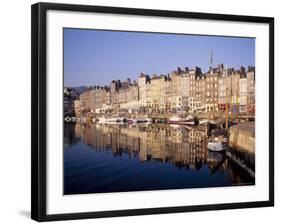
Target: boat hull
(216, 146)
(181, 122)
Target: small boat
(95, 120)
(217, 144)
(67, 119)
(102, 120)
(132, 121)
(121, 120)
(148, 120)
(144, 120)
(203, 122)
(189, 120)
(174, 120)
(107, 120)
(139, 120)
(112, 119)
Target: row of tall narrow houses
(187, 90)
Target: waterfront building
(212, 78)
(87, 99)
(191, 90)
(149, 97)
(113, 96)
(200, 96)
(155, 93)
(168, 93)
(243, 95)
(176, 83)
(194, 98)
(142, 82)
(234, 91)
(186, 90)
(77, 107)
(69, 97)
(224, 88)
(251, 90)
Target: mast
(231, 98)
(211, 59)
(236, 103)
(227, 102)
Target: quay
(242, 137)
(242, 146)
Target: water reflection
(162, 157)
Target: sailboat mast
(227, 100)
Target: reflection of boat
(217, 144)
(139, 120)
(215, 157)
(215, 160)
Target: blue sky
(95, 57)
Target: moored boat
(139, 120)
(67, 119)
(217, 144)
(189, 120)
(95, 120)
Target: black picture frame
(38, 108)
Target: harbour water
(103, 158)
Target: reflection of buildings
(150, 143)
(72, 134)
(163, 143)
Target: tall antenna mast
(211, 59)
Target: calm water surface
(115, 158)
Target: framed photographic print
(139, 111)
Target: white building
(243, 95)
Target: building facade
(187, 90)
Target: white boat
(202, 122)
(67, 119)
(144, 120)
(189, 120)
(132, 121)
(175, 119)
(218, 144)
(139, 120)
(110, 120)
(149, 120)
(106, 120)
(215, 146)
(121, 119)
(95, 120)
